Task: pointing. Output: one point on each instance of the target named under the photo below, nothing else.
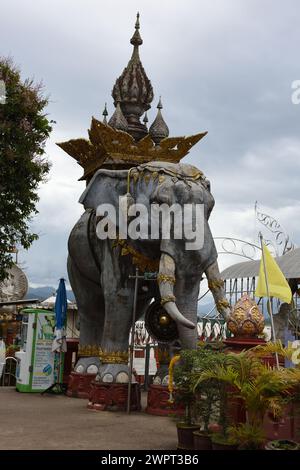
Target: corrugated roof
(288, 263)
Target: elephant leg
(118, 291)
(116, 334)
(115, 339)
(90, 306)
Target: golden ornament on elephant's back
(246, 319)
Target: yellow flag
(278, 285)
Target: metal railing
(8, 378)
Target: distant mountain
(203, 309)
(44, 292)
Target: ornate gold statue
(246, 319)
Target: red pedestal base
(113, 397)
(238, 344)
(79, 385)
(287, 427)
(158, 402)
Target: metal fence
(8, 378)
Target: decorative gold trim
(215, 284)
(108, 147)
(138, 259)
(222, 304)
(113, 357)
(168, 298)
(165, 278)
(89, 350)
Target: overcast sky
(225, 66)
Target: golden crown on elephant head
(115, 149)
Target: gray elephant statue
(100, 269)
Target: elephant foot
(162, 376)
(114, 373)
(88, 365)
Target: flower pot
(185, 435)
(202, 441)
(217, 446)
(220, 443)
(282, 444)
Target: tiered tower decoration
(124, 141)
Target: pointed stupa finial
(159, 129)
(133, 89)
(118, 120)
(136, 39)
(105, 114)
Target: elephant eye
(161, 196)
(183, 193)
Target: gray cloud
(224, 66)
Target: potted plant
(222, 440)
(209, 396)
(185, 395)
(202, 440)
(206, 406)
(260, 387)
(282, 444)
(248, 436)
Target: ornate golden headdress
(113, 148)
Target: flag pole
(269, 299)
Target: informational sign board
(38, 367)
(43, 360)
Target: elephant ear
(105, 187)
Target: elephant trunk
(166, 281)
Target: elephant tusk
(172, 310)
(166, 280)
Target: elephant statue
(101, 270)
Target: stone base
(113, 397)
(158, 402)
(79, 385)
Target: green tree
(24, 129)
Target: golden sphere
(164, 320)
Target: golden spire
(159, 129)
(118, 121)
(133, 89)
(105, 114)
